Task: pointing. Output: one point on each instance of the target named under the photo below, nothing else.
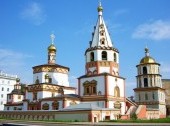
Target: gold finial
(100, 8)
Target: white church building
(101, 90)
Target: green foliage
(133, 116)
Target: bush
(133, 116)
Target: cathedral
(101, 90)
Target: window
(19, 96)
(146, 96)
(92, 56)
(7, 89)
(2, 89)
(7, 108)
(55, 105)
(115, 57)
(10, 96)
(2, 95)
(145, 82)
(1, 102)
(144, 70)
(90, 88)
(153, 96)
(116, 91)
(45, 106)
(104, 55)
(102, 41)
(53, 94)
(50, 80)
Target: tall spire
(101, 35)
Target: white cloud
(12, 62)
(154, 30)
(34, 13)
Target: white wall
(113, 83)
(67, 116)
(57, 78)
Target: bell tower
(149, 89)
(52, 51)
(102, 85)
(101, 56)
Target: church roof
(147, 59)
(52, 65)
(84, 106)
(101, 35)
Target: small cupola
(147, 58)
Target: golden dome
(17, 80)
(100, 8)
(52, 48)
(147, 59)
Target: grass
(163, 120)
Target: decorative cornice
(102, 74)
(149, 89)
(50, 68)
(101, 48)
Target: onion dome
(17, 80)
(100, 8)
(52, 48)
(147, 58)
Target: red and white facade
(102, 84)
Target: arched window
(144, 70)
(55, 105)
(45, 106)
(117, 92)
(92, 56)
(104, 55)
(145, 82)
(114, 57)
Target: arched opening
(117, 92)
(104, 55)
(144, 70)
(114, 57)
(92, 56)
(145, 82)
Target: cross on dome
(52, 38)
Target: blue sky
(26, 25)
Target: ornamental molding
(50, 69)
